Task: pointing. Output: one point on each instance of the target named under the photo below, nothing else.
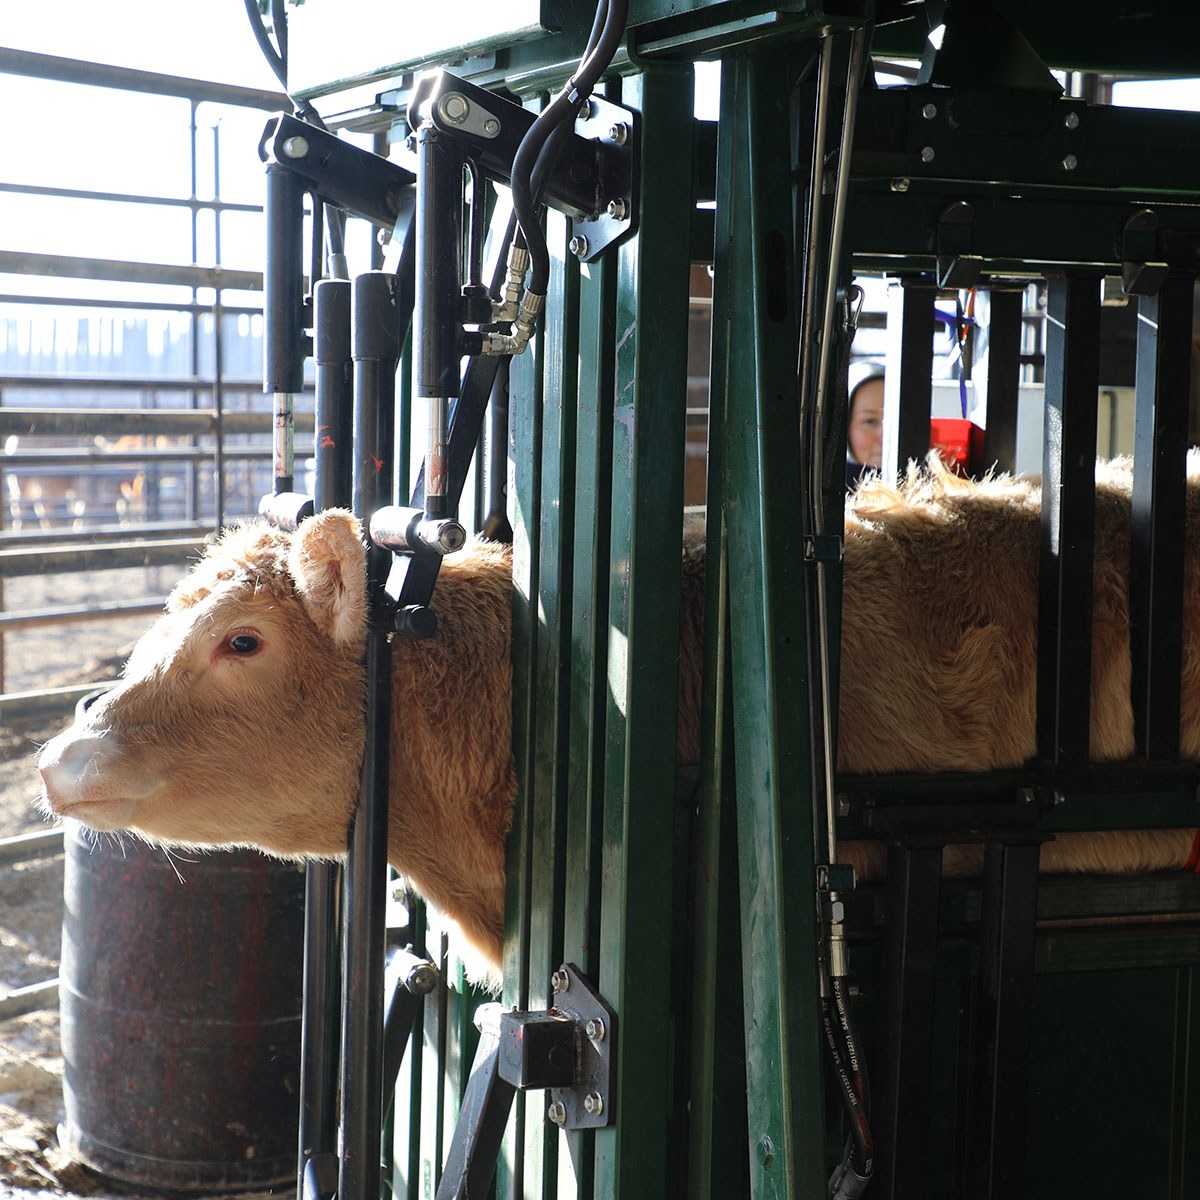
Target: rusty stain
(327, 442)
(377, 463)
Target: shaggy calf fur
(238, 720)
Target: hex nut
(1070, 162)
(455, 107)
(927, 154)
(617, 209)
(579, 246)
(901, 185)
(1071, 120)
(595, 1029)
(560, 981)
(929, 111)
(593, 1103)
(618, 133)
(557, 1113)
(491, 127)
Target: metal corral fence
(134, 453)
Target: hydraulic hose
(610, 19)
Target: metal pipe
(53, 702)
(33, 998)
(110, 383)
(103, 557)
(816, 450)
(13, 262)
(42, 462)
(102, 533)
(121, 422)
(322, 970)
(41, 618)
(31, 189)
(23, 847)
(232, 310)
(376, 345)
(71, 70)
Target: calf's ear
(327, 562)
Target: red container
(959, 442)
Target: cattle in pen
(239, 718)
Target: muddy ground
(32, 1165)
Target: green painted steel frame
(755, 385)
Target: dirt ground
(32, 1164)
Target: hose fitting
(523, 327)
(508, 308)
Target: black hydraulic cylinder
(908, 384)
(283, 310)
(437, 330)
(375, 331)
(335, 393)
(322, 1002)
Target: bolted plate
(596, 1064)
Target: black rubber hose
(862, 1155)
(279, 24)
(274, 60)
(562, 108)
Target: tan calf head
(238, 720)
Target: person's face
(866, 424)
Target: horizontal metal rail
(109, 556)
(40, 462)
(229, 310)
(107, 611)
(104, 533)
(126, 383)
(51, 702)
(65, 266)
(127, 79)
(196, 205)
(145, 422)
(22, 847)
(34, 998)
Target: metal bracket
(571, 1049)
(1140, 275)
(956, 267)
(595, 180)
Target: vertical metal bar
(283, 332)
(376, 346)
(1068, 519)
(193, 474)
(524, 501)
(902, 1087)
(1007, 929)
(322, 1007)
(653, 270)
(908, 384)
(218, 346)
(1003, 378)
(1163, 386)
(557, 356)
(754, 324)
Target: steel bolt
(900, 185)
(617, 209)
(593, 1103)
(491, 127)
(295, 147)
(927, 153)
(1070, 162)
(618, 133)
(579, 246)
(560, 981)
(595, 1029)
(1071, 120)
(929, 111)
(557, 1112)
(585, 110)
(455, 107)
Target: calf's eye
(243, 643)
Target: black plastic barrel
(181, 1014)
